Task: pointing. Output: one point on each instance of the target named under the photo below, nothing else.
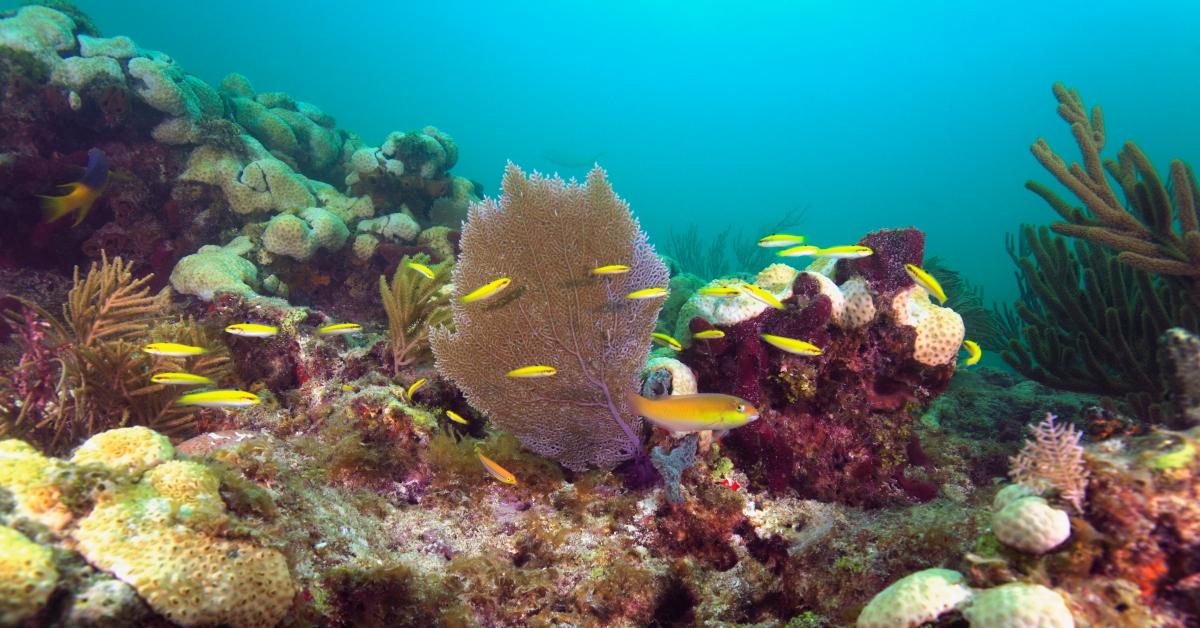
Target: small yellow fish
(412, 390)
(497, 471)
(780, 239)
(709, 334)
(724, 292)
(799, 251)
(926, 281)
(421, 268)
(695, 413)
(792, 345)
(666, 341)
(173, 350)
(487, 290)
(647, 293)
(348, 388)
(252, 330)
(974, 352)
(611, 269)
(760, 295)
(340, 329)
(852, 251)
(219, 399)
(456, 417)
(537, 370)
(179, 379)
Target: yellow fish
(173, 350)
(695, 413)
(340, 329)
(926, 281)
(252, 330)
(780, 239)
(799, 251)
(348, 388)
(647, 293)
(791, 345)
(709, 334)
(760, 295)
(667, 341)
(611, 269)
(487, 290)
(497, 471)
(456, 417)
(537, 370)
(80, 194)
(723, 292)
(412, 390)
(421, 268)
(219, 399)
(179, 379)
(852, 251)
(974, 352)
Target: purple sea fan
(547, 235)
(1053, 460)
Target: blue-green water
(884, 114)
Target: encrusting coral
(555, 313)
(415, 304)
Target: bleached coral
(215, 269)
(940, 330)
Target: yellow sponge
(26, 474)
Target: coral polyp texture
(555, 313)
(838, 425)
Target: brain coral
(1031, 525)
(27, 576)
(546, 235)
(1017, 605)
(216, 269)
(940, 330)
(915, 599)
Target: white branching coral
(1053, 460)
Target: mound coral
(837, 426)
(555, 313)
(27, 576)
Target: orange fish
(82, 193)
(497, 471)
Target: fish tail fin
(55, 207)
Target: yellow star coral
(26, 474)
(27, 576)
(132, 449)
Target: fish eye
(741, 407)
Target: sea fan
(1053, 460)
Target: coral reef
(837, 426)
(555, 313)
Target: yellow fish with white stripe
(611, 269)
(792, 345)
(760, 295)
(536, 370)
(709, 334)
(799, 251)
(647, 293)
(412, 390)
(340, 329)
(695, 413)
(456, 417)
(852, 251)
(719, 292)
(179, 379)
(780, 239)
(173, 350)
(219, 399)
(252, 330)
(666, 340)
(497, 471)
(487, 290)
(974, 352)
(926, 281)
(426, 271)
